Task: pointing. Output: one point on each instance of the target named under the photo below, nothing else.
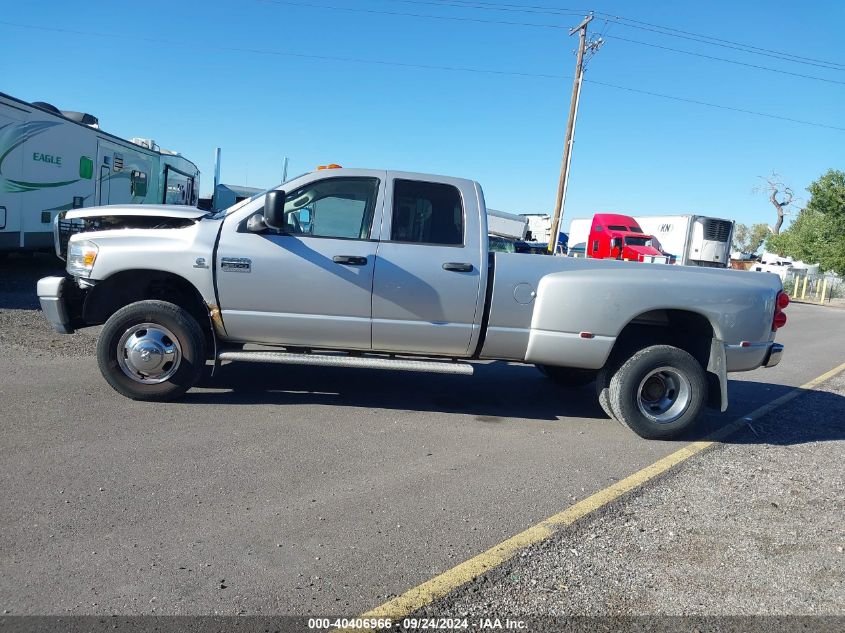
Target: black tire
(568, 376)
(680, 388)
(603, 389)
(185, 329)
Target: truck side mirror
(274, 209)
(616, 242)
(256, 224)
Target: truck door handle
(350, 260)
(458, 267)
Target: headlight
(81, 257)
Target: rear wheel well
(126, 287)
(685, 330)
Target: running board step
(362, 362)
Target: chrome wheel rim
(149, 353)
(664, 395)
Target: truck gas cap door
(524, 293)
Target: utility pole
(581, 29)
(285, 170)
(216, 177)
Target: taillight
(779, 319)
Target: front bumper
(51, 294)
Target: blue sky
(180, 73)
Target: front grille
(717, 230)
(66, 228)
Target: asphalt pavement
(291, 489)
(751, 529)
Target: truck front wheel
(658, 392)
(151, 350)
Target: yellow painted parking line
(429, 591)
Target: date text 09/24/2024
(418, 623)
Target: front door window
(336, 207)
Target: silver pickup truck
(391, 270)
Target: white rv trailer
(694, 240)
(53, 161)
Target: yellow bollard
(824, 290)
(804, 287)
(795, 290)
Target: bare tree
(780, 195)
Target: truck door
(427, 282)
(312, 285)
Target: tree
(775, 187)
(749, 239)
(818, 233)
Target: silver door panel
(296, 294)
(417, 305)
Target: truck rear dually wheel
(151, 350)
(603, 389)
(658, 392)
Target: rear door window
(427, 213)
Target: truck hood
(644, 250)
(176, 212)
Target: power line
(714, 105)
(729, 61)
(412, 15)
(238, 49)
(533, 24)
(638, 24)
(782, 55)
(740, 47)
(467, 69)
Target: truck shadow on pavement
(498, 391)
(19, 274)
(501, 393)
(812, 416)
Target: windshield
(224, 212)
(638, 241)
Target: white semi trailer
(506, 225)
(53, 161)
(694, 240)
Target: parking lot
(292, 489)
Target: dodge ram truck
(390, 270)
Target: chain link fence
(803, 285)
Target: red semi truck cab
(615, 236)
